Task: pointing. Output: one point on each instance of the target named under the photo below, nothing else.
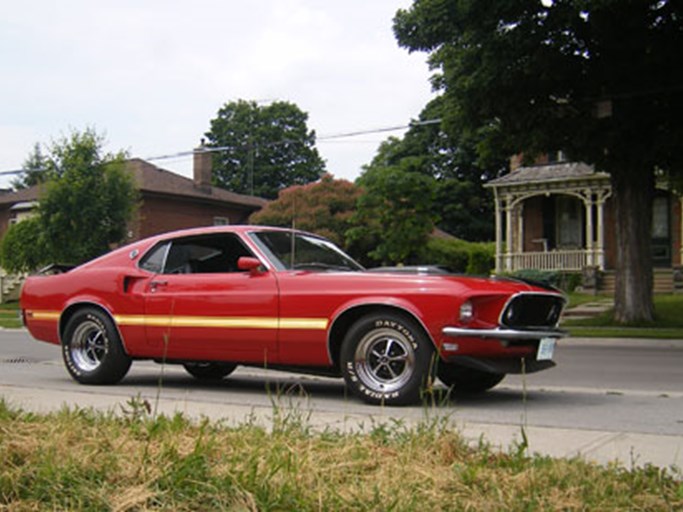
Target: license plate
(546, 348)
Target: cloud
(152, 74)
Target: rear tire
(387, 359)
(467, 381)
(92, 348)
(209, 371)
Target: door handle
(153, 285)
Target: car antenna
(293, 248)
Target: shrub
(460, 256)
(481, 259)
(565, 281)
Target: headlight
(466, 311)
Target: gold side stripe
(204, 321)
(43, 315)
(223, 322)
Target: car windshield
(303, 252)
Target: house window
(221, 221)
(556, 157)
(660, 217)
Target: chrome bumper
(503, 334)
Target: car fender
(88, 301)
(347, 313)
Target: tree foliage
(324, 207)
(263, 148)
(36, 170)
(395, 214)
(463, 207)
(598, 79)
(88, 201)
(23, 249)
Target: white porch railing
(550, 260)
(10, 286)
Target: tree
(395, 214)
(600, 80)
(23, 247)
(263, 149)
(86, 206)
(463, 206)
(324, 207)
(36, 170)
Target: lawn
(83, 460)
(668, 323)
(9, 315)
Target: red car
(214, 298)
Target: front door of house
(661, 231)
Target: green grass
(82, 460)
(668, 322)
(9, 315)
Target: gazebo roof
(565, 171)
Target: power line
(380, 130)
(324, 138)
(18, 171)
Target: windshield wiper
(317, 265)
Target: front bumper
(503, 334)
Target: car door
(200, 306)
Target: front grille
(531, 310)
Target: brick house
(168, 201)
(558, 215)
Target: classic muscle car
(214, 298)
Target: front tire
(467, 381)
(387, 359)
(92, 349)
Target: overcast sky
(150, 75)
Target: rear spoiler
(55, 268)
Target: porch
(551, 217)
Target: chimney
(202, 168)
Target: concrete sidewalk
(598, 446)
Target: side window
(205, 254)
(153, 261)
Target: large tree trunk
(633, 191)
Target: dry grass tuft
(78, 460)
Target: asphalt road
(600, 385)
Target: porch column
(508, 234)
(588, 203)
(600, 250)
(499, 232)
(519, 213)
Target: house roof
(24, 195)
(565, 171)
(154, 180)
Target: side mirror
(253, 265)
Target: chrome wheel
(89, 346)
(384, 360)
(92, 349)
